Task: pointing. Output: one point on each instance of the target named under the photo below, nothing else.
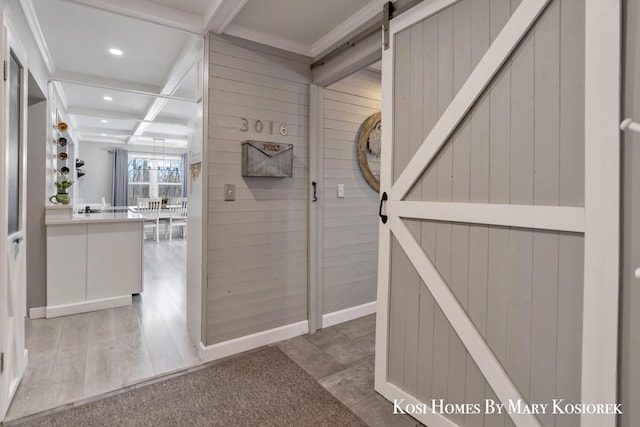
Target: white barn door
(498, 260)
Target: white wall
(99, 174)
(350, 224)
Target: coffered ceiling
(150, 90)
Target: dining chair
(149, 208)
(177, 215)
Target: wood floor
(79, 356)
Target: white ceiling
(161, 42)
(301, 21)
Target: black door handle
(315, 184)
(382, 200)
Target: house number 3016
(259, 126)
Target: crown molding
(150, 11)
(342, 31)
(267, 39)
(36, 30)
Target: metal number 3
(245, 125)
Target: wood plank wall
(629, 378)
(257, 245)
(521, 143)
(350, 251)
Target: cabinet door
(66, 264)
(114, 260)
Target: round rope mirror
(369, 144)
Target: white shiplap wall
(257, 244)
(350, 233)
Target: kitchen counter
(97, 217)
(94, 260)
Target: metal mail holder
(267, 159)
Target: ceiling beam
(189, 55)
(267, 39)
(125, 133)
(114, 115)
(106, 83)
(347, 28)
(221, 13)
(149, 11)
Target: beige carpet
(264, 388)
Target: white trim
(314, 250)
(418, 13)
(514, 30)
(37, 313)
(150, 11)
(390, 392)
(36, 30)
(334, 38)
(384, 235)
(602, 203)
(82, 307)
(477, 347)
(267, 39)
(249, 342)
(560, 218)
(347, 314)
(221, 14)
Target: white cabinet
(92, 264)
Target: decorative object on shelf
(79, 163)
(64, 170)
(80, 173)
(62, 126)
(62, 156)
(62, 197)
(62, 141)
(369, 144)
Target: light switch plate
(340, 191)
(229, 192)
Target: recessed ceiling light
(114, 51)
(108, 98)
(104, 121)
(103, 134)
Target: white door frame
(598, 220)
(16, 241)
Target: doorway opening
(144, 104)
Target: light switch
(229, 192)
(340, 191)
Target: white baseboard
(347, 314)
(83, 307)
(249, 342)
(37, 312)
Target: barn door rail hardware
(629, 124)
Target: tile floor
(341, 358)
(88, 356)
